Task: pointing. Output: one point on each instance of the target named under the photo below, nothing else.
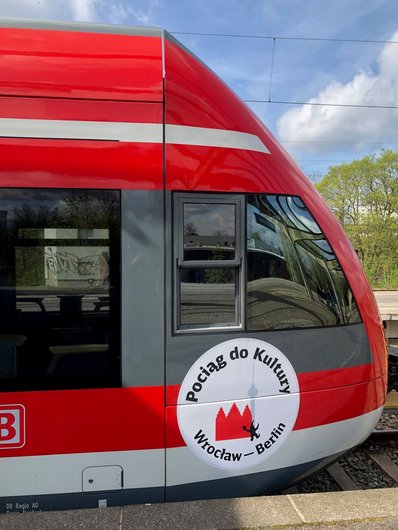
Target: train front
(275, 352)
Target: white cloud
(84, 10)
(105, 11)
(143, 15)
(327, 124)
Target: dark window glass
(293, 213)
(207, 297)
(326, 280)
(208, 250)
(314, 259)
(209, 231)
(345, 298)
(293, 277)
(59, 288)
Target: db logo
(12, 426)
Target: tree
(364, 196)
(190, 229)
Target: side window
(208, 253)
(59, 288)
(293, 277)
(326, 279)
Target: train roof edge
(84, 27)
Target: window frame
(237, 264)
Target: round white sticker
(238, 403)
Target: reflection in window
(293, 277)
(326, 279)
(59, 266)
(209, 231)
(294, 213)
(344, 295)
(207, 297)
(314, 258)
(208, 273)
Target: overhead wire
(274, 38)
(281, 37)
(317, 104)
(272, 101)
(338, 141)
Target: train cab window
(59, 289)
(326, 279)
(293, 277)
(208, 272)
(286, 276)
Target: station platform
(368, 509)
(391, 401)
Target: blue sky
(316, 58)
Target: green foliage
(83, 211)
(77, 210)
(364, 196)
(218, 275)
(29, 266)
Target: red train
(182, 317)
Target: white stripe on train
(40, 475)
(302, 446)
(129, 132)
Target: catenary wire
(277, 37)
(350, 105)
(274, 38)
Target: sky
(323, 76)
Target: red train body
(182, 315)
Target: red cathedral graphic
(230, 426)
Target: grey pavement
(365, 510)
(387, 298)
(387, 302)
(385, 524)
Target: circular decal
(238, 403)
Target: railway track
(381, 435)
(372, 465)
